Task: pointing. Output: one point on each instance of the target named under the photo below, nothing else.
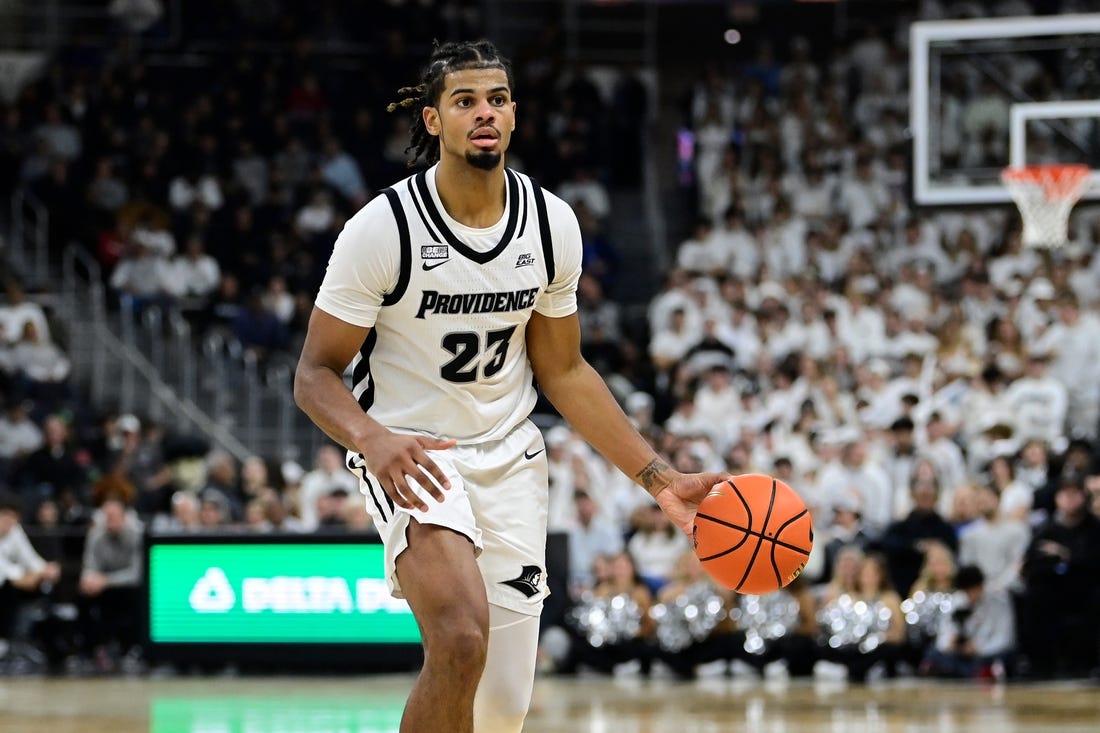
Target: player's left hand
(680, 499)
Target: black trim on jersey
(544, 232)
(406, 248)
(472, 254)
(419, 210)
(523, 198)
(362, 370)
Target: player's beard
(485, 160)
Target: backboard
(992, 92)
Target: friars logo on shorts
(528, 581)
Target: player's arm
(319, 387)
(320, 391)
(583, 399)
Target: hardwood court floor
(373, 705)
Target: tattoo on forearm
(650, 476)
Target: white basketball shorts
(498, 499)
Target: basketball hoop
(1045, 194)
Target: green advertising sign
(275, 714)
(273, 593)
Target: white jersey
(448, 305)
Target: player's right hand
(395, 458)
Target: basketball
(753, 533)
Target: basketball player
(446, 295)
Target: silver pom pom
(923, 613)
(765, 618)
(688, 618)
(604, 621)
(847, 622)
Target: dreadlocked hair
(445, 58)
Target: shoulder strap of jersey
(406, 248)
(544, 230)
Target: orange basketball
(753, 533)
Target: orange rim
(1057, 180)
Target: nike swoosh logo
(528, 455)
(426, 266)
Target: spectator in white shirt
(18, 311)
(869, 482)
(1033, 465)
(862, 197)
(899, 462)
(328, 475)
(251, 171)
(1015, 261)
(655, 545)
(22, 570)
(800, 72)
(725, 189)
(566, 475)
(980, 303)
(317, 216)
(41, 363)
(1035, 311)
(784, 243)
(995, 543)
(714, 89)
(718, 404)
(673, 295)
(591, 536)
(947, 457)
(869, 53)
(735, 246)
(1039, 401)
(712, 136)
(812, 193)
(1074, 342)
(827, 255)
(835, 406)
(911, 296)
(670, 344)
(194, 274)
(920, 245)
(62, 139)
(278, 299)
(585, 187)
(1016, 497)
(195, 186)
(694, 255)
(813, 334)
(19, 435)
(142, 277)
(861, 326)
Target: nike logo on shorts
(529, 455)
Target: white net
(1045, 194)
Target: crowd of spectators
(927, 383)
(216, 183)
